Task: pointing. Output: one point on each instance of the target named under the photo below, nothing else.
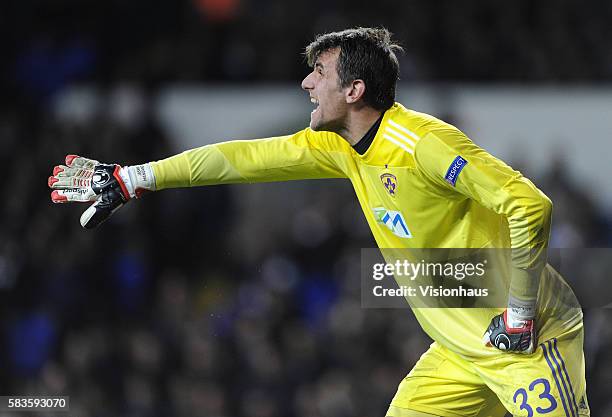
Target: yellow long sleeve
(496, 186)
(303, 155)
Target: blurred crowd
(48, 44)
(220, 301)
(233, 300)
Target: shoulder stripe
(403, 129)
(398, 143)
(400, 136)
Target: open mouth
(316, 104)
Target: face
(323, 86)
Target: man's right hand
(86, 180)
(109, 186)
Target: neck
(358, 122)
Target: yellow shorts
(550, 383)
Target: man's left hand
(511, 335)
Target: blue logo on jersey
(454, 170)
(393, 220)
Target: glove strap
(520, 310)
(138, 179)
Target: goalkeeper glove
(510, 333)
(109, 186)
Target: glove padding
(511, 336)
(86, 180)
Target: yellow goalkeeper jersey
(421, 184)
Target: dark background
(188, 303)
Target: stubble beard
(321, 125)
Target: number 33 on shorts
(550, 396)
(522, 399)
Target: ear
(355, 91)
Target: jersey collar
(364, 143)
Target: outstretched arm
(303, 155)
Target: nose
(307, 83)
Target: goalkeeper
(421, 184)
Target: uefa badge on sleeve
(454, 170)
(390, 183)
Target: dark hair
(367, 54)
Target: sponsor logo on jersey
(394, 221)
(390, 183)
(454, 170)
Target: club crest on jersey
(390, 183)
(394, 220)
(454, 170)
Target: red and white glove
(510, 333)
(109, 186)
